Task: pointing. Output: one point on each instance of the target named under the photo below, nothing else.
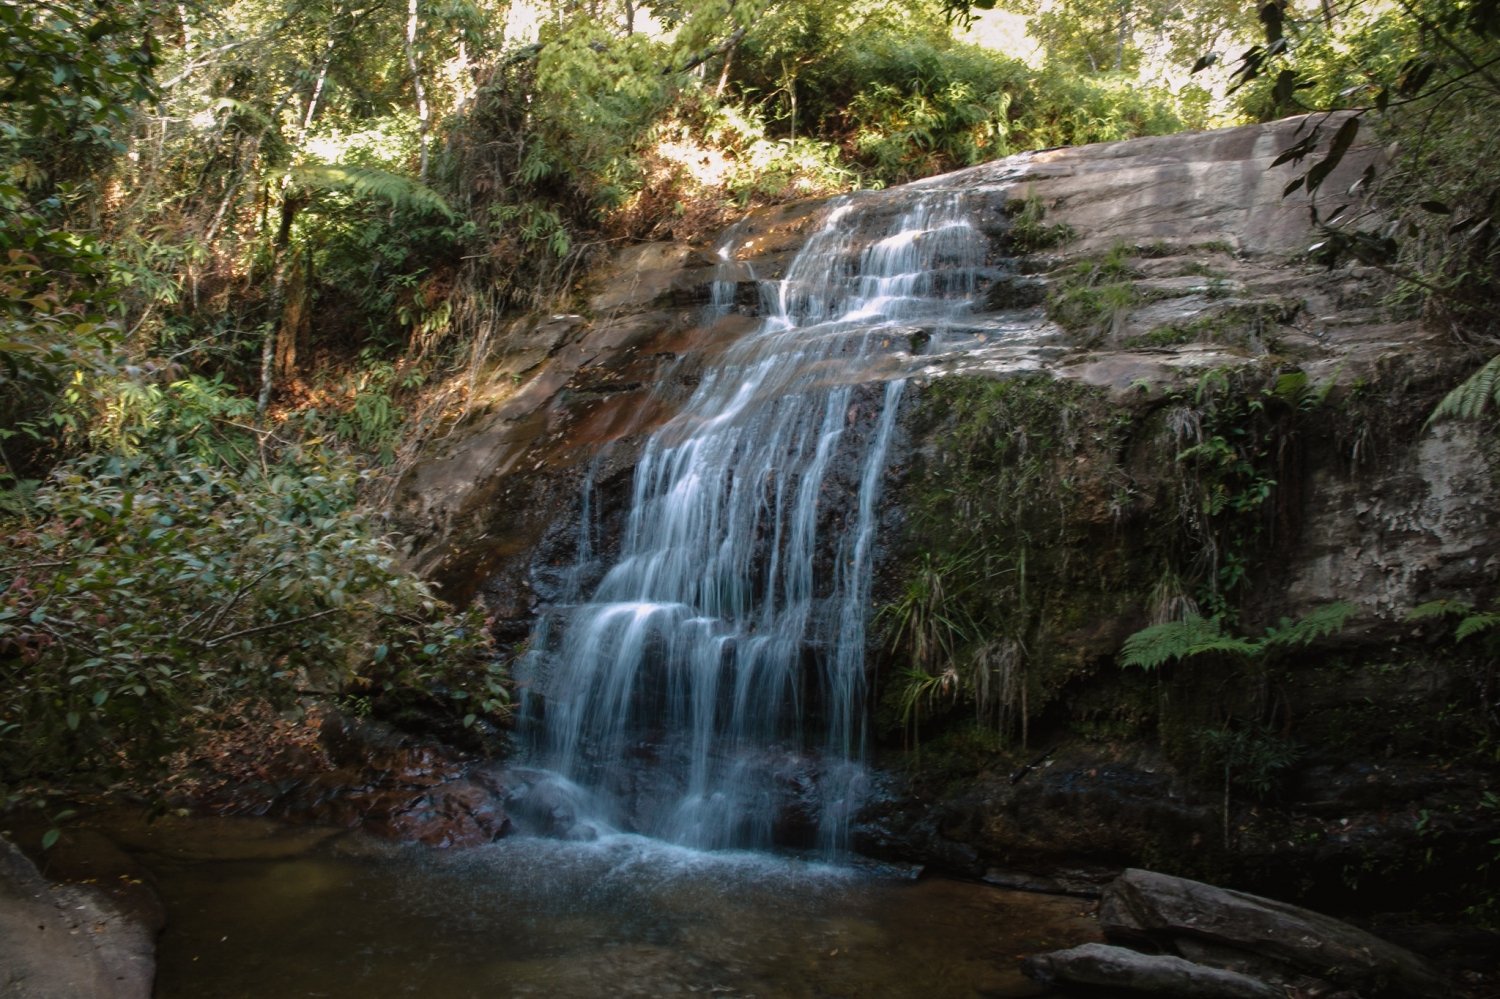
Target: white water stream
(717, 672)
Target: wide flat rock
(67, 941)
(1165, 911)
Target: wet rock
(1079, 882)
(546, 805)
(1116, 968)
(1078, 811)
(1157, 910)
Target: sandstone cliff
(1159, 405)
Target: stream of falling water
(715, 676)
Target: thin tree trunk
(276, 301)
(423, 112)
(1123, 37)
(462, 77)
(724, 72)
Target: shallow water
(257, 912)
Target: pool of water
(256, 911)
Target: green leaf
(50, 838)
(1473, 396)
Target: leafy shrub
(1062, 108)
(142, 602)
(925, 107)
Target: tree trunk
(277, 299)
(424, 113)
(1123, 36)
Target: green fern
(1470, 399)
(1476, 623)
(1473, 623)
(1438, 608)
(1195, 636)
(1324, 620)
(370, 182)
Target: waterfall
(714, 678)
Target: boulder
(1273, 938)
(68, 940)
(1116, 968)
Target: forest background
(254, 254)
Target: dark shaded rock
(1160, 911)
(387, 783)
(1010, 291)
(1080, 811)
(1102, 965)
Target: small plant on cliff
(1197, 636)
(1095, 297)
(1246, 754)
(1472, 397)
(1029, 230)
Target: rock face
(1132, 287)
(564, 389)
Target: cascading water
(715, 673)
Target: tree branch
(273, 626)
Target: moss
(1248, 327)
(1044, 519)
(1005, 508)
(1029, 232)
(1093, 297)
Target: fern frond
(1472, 396)
(1324, 620)
(1438, 608)
(1475, 623)
(370, 182)
(1195, 636)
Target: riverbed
(261, 911)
